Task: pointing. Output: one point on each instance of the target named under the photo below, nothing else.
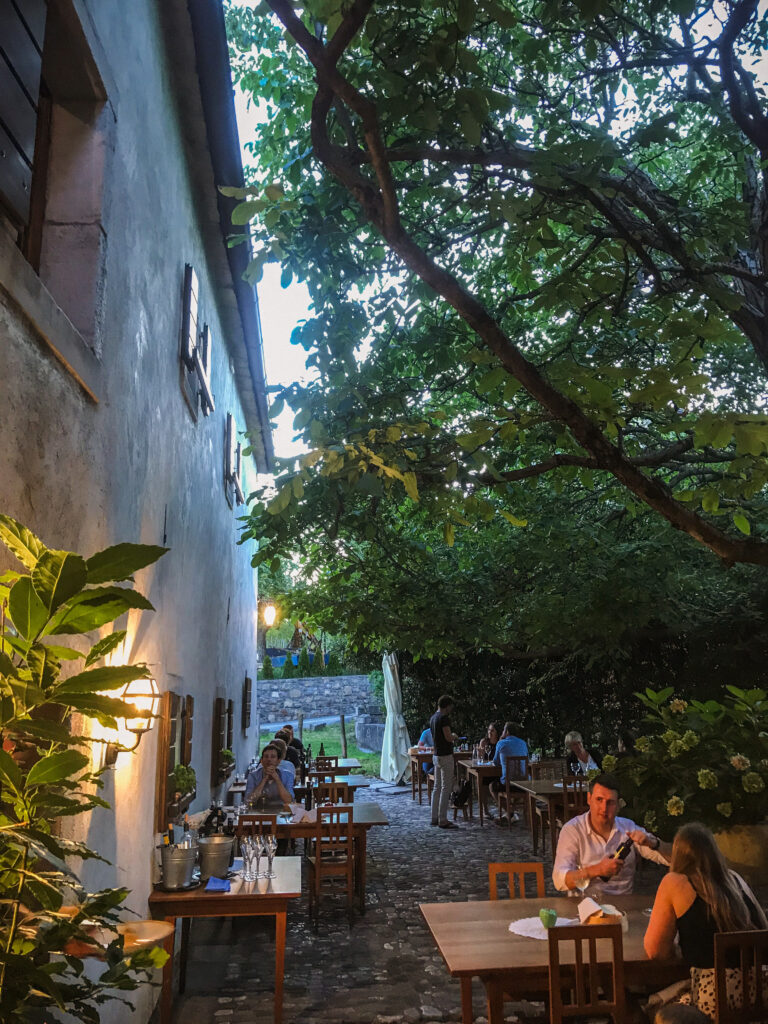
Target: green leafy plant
(46, 771)
(304, 668)
(267, 669)
(289, 669)
(333, 668)
(226, 755)
(698, 761)
(185, 779)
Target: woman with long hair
(699, 897)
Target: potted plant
(184, 785)
(48, 608)
(226, 762)
(703, 761)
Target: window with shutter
(196, 346)
(221, 766)
(171, 744)
(187, 730)
(247, 696)
(22, 28)
(230, 724)
(233, 464)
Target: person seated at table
(699, 897)
(580, 761)
(291, 753)
(510, 745)
(585, 857)
(270, 778)
(294, 741)
(426, 743)
(487, 749)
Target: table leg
(480, 800)
(166, 995)
(532, 821)
(185, 926)
(414, 773)
(280, 919)
(552, 826)
(466, 1000)
(495, 1000)
(361, 859)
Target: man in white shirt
(588, 843)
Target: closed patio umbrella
(395, 762)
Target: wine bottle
(321, 751)
(621, 853)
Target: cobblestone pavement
(386, 968)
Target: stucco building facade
(130, 366)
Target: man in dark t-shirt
(444, 738)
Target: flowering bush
(698, 761)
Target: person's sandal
(448, 824)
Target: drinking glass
(270, 847)
(582, 879)
(251, 854)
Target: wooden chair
(586, 980)
(333, 793)
(509, 798)
(327, 764)
(332, 856)
(575, 791)
(553, 768)
(250, 823)
(515, 872)
(752, 948)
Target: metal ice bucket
(215, 855)
(178, 864)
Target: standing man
(588, 843)
(444, 737)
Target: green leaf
(121, 561)
(104, 646)
(42, 729)
(741, 522)
(513, 519)
(93, 608)
(56, 767)
(27, 611)
(9, 771)
(21, 541)
(108, 677)
(411, 487)
(448, 534)
(105, 709)
(465, 18)
(57, 576)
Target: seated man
(426, 742)
(270, 778)
(509, 745)
(588, 843)
(291, 753)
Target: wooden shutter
(189, 317)
(230, 724)
(219, 737)
(234, 458)
(203, 368)
(21, 47)
(247, 697)
(188, 730)
(168, 751)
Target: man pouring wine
(599, 850)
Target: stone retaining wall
(313, 696)
(369, 732)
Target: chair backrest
(515, 872)
(250, 823)
(325, 763)
(551, 768)
(575, 792)
(334, 835)
(517, 768)
(752, 950)
(333, 793)
(582, 979)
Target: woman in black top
(699, 897)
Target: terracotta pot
(745, 847)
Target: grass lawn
(330, 737)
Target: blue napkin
(217, 885)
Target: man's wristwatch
(655, 842)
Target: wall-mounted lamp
(269, 615)
(144, 696)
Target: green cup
(548, 917)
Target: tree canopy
(535, 238)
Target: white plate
(140, 934)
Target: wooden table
(265, 897)
(421, 757)
(349, 762)
(474, 940)
(480, 771)
(542, 789)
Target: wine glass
(582, 879)
(270, 847)
(251, 853)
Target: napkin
(298, 814)
(532, 928)
(588, 907)
(217, 885)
